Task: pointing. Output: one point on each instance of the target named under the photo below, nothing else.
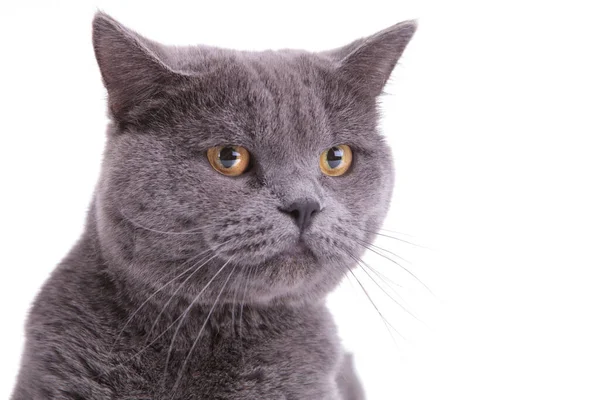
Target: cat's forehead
(282, 102)
(269, 98)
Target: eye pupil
(229, 157)
(334, 157)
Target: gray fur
(101, 329)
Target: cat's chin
(298, 248)
(296, 254)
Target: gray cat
(237, 190)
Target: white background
(493, 117)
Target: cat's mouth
(299, 248)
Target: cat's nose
(303, 211)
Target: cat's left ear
(368, 62)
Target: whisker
(235, 292)
(251, 275)
(137, 224)
(396, 232)
(398, 264)
(179, 288)
(395, 238)
(175, 293)
(384, 279)
(146, 347)
(388, 281)
(150, 297)
(385, 321)
(187, 358)
(382, 249)
(252, 272)
(359, 262)
(187, 310)
(193, 231)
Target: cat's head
(176, 193)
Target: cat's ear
(368, 62)
(132, 67)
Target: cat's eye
(229, 160)
(336, 160)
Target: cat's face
(163, 209)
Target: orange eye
(229, 160)
(336, 160)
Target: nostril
(303, 211)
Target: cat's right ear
(132, 67)
(368, 62)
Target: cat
(237, 189)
